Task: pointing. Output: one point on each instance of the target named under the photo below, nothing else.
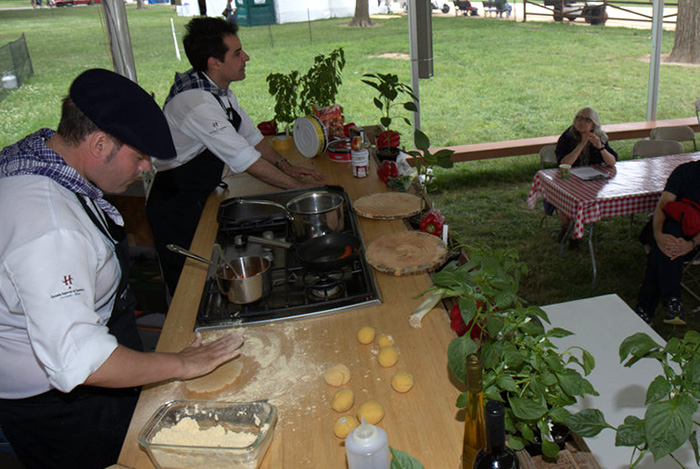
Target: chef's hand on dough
(200, 359)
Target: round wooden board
(387, 205)
(406, 253)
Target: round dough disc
(218, 379)
(387, 205)
(406, 253)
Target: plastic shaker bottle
(367, 447)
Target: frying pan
(321, 254)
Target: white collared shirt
(197, 121)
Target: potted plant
(671, 398)
(521, 366)
(295, 94)
(389, 88)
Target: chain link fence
(15, 65)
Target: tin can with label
(360, 163)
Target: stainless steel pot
(247, 282)
(312, 214)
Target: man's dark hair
(205, 38)
(75, 126)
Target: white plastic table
(600, 325)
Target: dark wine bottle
(496, 455)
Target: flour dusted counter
(284, 362)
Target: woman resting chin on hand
(584, 143)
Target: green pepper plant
(296, 94)
(521, 365)
(671, 400)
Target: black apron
(176, 201)
(86, 427)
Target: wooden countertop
(423, 422)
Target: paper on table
(588, 173)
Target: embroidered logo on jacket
(69, 291)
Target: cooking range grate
(295, 291)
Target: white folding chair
(649, 148)
(681, 133)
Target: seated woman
(584, 143)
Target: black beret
(123, 109)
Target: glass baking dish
(212, 438)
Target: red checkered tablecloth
(634, 186)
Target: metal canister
(360, 162)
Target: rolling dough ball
(345, 425)
(343, 400)
(388, 356)
(337, 375)
(402, 381)
(372, 411)
(366, 335)
(385, 340)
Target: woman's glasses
(587, 120)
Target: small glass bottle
(496, 455)
(474, 432)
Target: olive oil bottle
(474, 432)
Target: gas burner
(324, 285)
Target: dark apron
(86, 427)
(176, 201)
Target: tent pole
(655, 59)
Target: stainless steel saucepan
(312, 214)
(242, 280)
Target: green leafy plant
(425, 160)
(521, 365)
(671, 399)
(320, 84)
(401, 460)
(390, 88)
(296, 94)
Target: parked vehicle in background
(436, 4)
(70, 3)
(592, 12)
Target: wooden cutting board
(387, 205)
(406, 253)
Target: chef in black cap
(70, 359)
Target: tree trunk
(686, 45)
(140, 5)
(361, 18)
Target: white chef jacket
(197, 121)
(58, 281)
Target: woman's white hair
(592, 114)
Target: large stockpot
(312, 214)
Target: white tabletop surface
(600, 325)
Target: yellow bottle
(474, 431)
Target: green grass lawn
(494, 80)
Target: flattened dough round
(343, 400)
(366, 335)
(385, 340)
(388, 356)
(337, 375)
(402, 381)
(218, 379)
(387, 205)
(372, 411)
(345, 425)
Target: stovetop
(295, 291)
